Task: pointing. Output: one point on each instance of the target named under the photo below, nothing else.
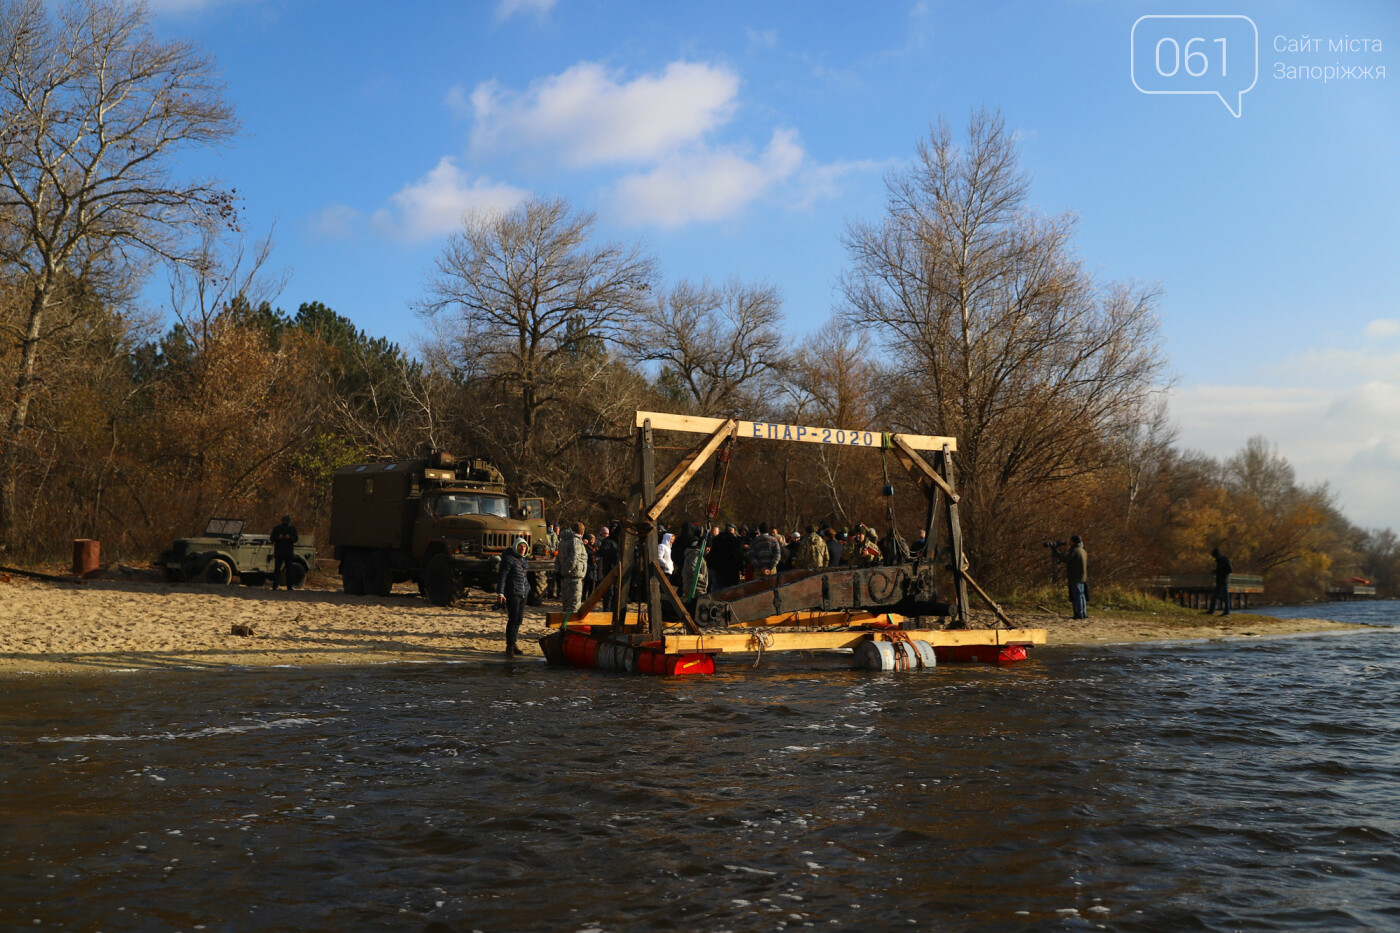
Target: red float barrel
(580, 650)
(987, 654)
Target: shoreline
(123, 622)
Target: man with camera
(1076, 562)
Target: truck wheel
(539, 583)
(352, 573)
(218, 572)
(296, 576)
(442, 583)
(379, 579)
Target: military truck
(224, 551)
(435, 521)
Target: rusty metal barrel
(86, 556)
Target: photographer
(1076, 562)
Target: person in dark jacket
(284, 539)
(609, 556)
(765, 554)
(1076, 562)
(1221, 594)
(726, 559)
(590, 576)
(512, 588)
(835, 548)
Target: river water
(1193, 786)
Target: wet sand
(126, 621)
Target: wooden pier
(1194, 589)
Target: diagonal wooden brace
(669, 592)
(918, 467)
(690, 464)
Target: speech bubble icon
(1184, 54)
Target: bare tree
(531, 294)
(93, 108)
(832, 380)
(998, 334)
(717, 343)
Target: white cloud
(1383, 327)
(1348, 437)
(762, 38)
(589, 116)
(706, 185)
(508, 8)
(434, 205)
(334, 221)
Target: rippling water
(1216, 786)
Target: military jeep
(224, 551)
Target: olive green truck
(435, 521)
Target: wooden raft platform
(759, 636)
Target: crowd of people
(696, 561)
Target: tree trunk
(18, 417)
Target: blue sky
(738, 139)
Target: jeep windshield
(466, 504)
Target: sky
(1252, 174)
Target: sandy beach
(124, 621)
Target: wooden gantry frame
(648, 499)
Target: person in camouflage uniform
(552, 540)
(812, 553)
(862, 551)
(572, 562)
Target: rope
(901, 657)
(721, 476)
(759, 641)
(887, 444)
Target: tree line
(962, 311)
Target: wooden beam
(990, 602)
(554, 619)
(918, 466)
(668, 592)
(585, 608)
(685, 471)
(627, 547)
(751, 642)
(944, 461)
(769, 431)
(648, 566)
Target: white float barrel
(890, 656)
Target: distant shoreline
(113, 625)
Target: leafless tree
(719, 344)
(530, 291)
(832, 380)
(93, 108)
(997, 333)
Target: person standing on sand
(572, 561)
(512, 588)
(1076, 563)
(284, 539)
(1223, 569)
